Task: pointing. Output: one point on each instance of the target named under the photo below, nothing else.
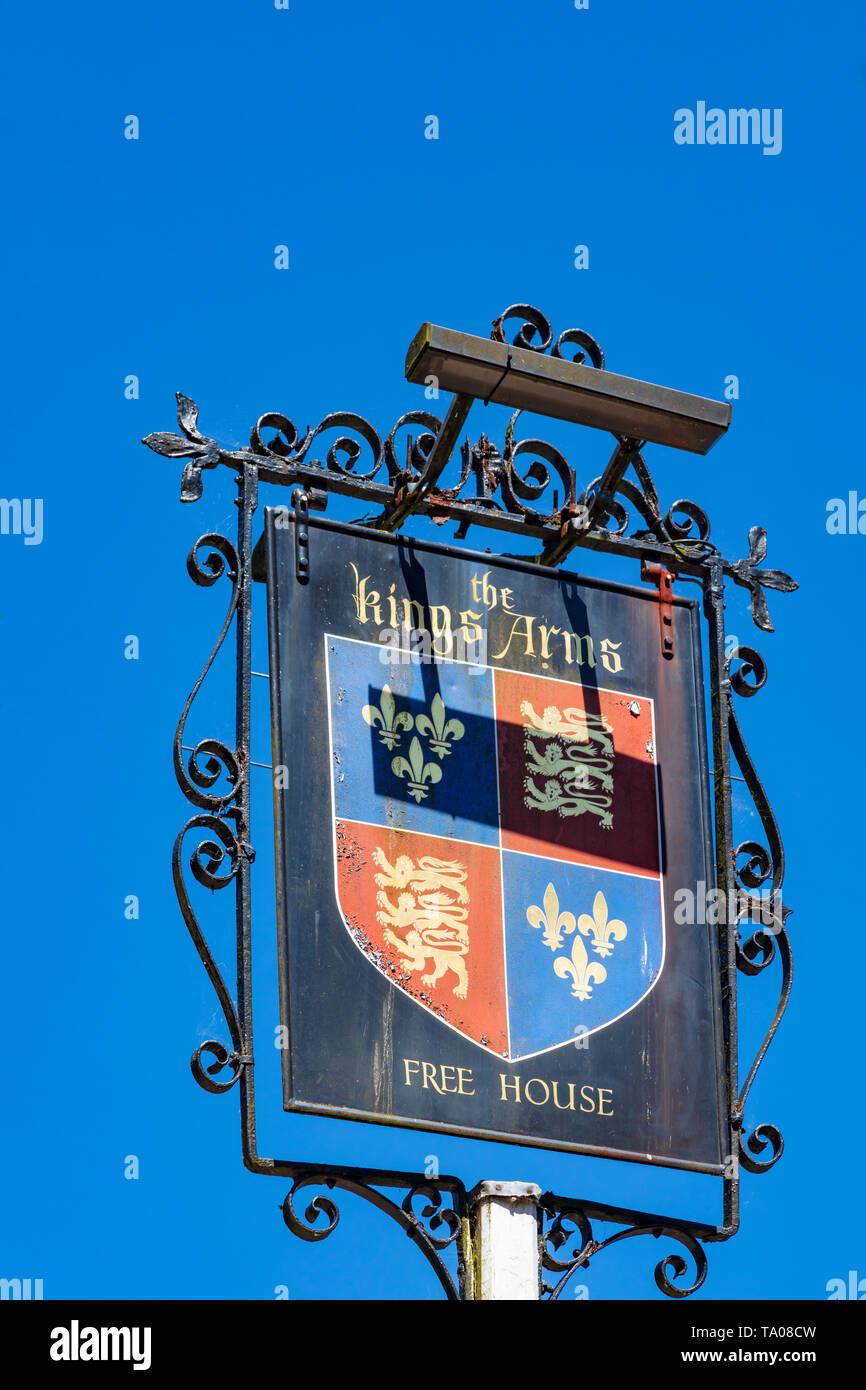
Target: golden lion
(438, 928)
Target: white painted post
(504, 1222)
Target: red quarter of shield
(427, 912)
(611, 826)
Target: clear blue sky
(155, 257)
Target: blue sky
(155, 257)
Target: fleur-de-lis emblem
(417, 771)
(388, 719)
(437, 729)
(553, 921)
(582, 970)
(603, 930)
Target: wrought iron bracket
(617, 514)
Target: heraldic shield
(496, 843)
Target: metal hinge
(300, 502)
(663, 578)
(303, 499)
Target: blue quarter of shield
(413, 763)
(556, 989)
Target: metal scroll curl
(195, 779)
(418, 449)
(214, 864)
(574, 343)
(672, 1267)
(422, 1229)
(346, 446)
(747, 674)
(532, 322)
(519, 486)
(289, 448)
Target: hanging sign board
(490, 784)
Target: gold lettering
(529, 650)
(488, 592)
(568, 638)
(475, 581)
(506, 595)
(602, 1092)
(570, 1106)
(408, 605)
(364, 600)
(425, 1068)
(440, 1078)
(610, 658)
(392, 608)
(460, 1079)
(470, 630)
(590, 1107)
(442, 629)
(546, 634)
(536, 1081)
(515, 1082)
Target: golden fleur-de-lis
(388, 719)
(437, 729)
(417, 771)
(604, 931)
(553, 921)
(582, 971)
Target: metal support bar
(611, 478)
(581, 517)
(441, 452)
(521, 376)
(247, 502)
(505, 1224)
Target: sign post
(511, 904)
(504, 1217)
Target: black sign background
(349, 1028)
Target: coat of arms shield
(496, 843)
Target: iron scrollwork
(570, 1221)
(758, 906)
(528, 487)
(438, 1224)
(214, 862)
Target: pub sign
(490, 782)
